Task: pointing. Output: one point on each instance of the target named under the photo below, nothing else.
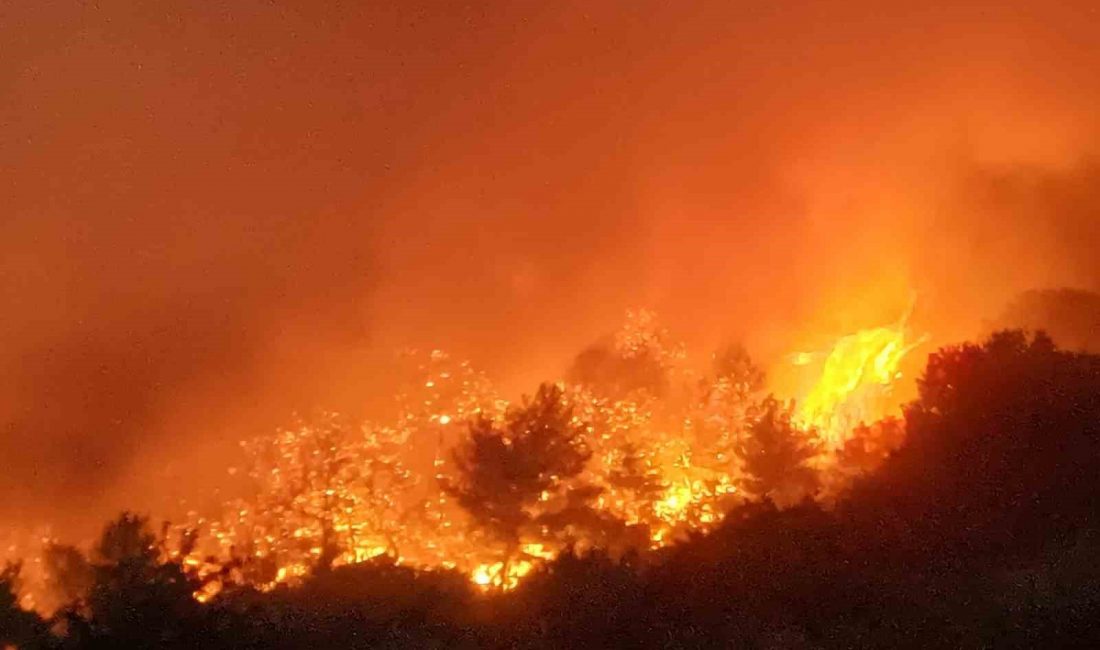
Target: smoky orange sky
(214, 214)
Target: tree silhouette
(635, 474)
(68, 573)
(869, 446)
(1002, 444)
(775, 455)
(127, 541)
(316, 461)
(978, 530)
(641, 483)
(637, 358)
(603, 369)
(136, 599)
(19, 628)
(725, 402)
(582, 600)
(733, 364)
(504, 471)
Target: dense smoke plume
(214, 216)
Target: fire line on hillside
(663, 460)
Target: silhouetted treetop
(638, 358)
(504, 469)
(775, 454)
(734, 364)
(138, 599)
(128, 539)
(1004, 436)
(68, 573)
(603, 369)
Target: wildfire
(661, 465)
(666, 458)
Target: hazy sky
(212, 214)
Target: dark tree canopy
(1002, 444)
(69, 575)
(870, 445)
(602, 368)
(636, 475)
(136, 598)
(733, 363)
(503, 470)
(127, 541)
(775, 455)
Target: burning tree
(331, 491)
(639, 357)
(636, 475)
(664, 449)
(504, 471)
(306, 473)
(722, 410)
(327, 490)
(439, 397)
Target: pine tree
(776, 455)
(504, 471)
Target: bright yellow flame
(481, 576)
(857, 373)
(492, 575)
(208, 591)
(677, 498)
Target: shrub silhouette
(136, 599)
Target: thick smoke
(214, 216)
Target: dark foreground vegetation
(981, 530)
